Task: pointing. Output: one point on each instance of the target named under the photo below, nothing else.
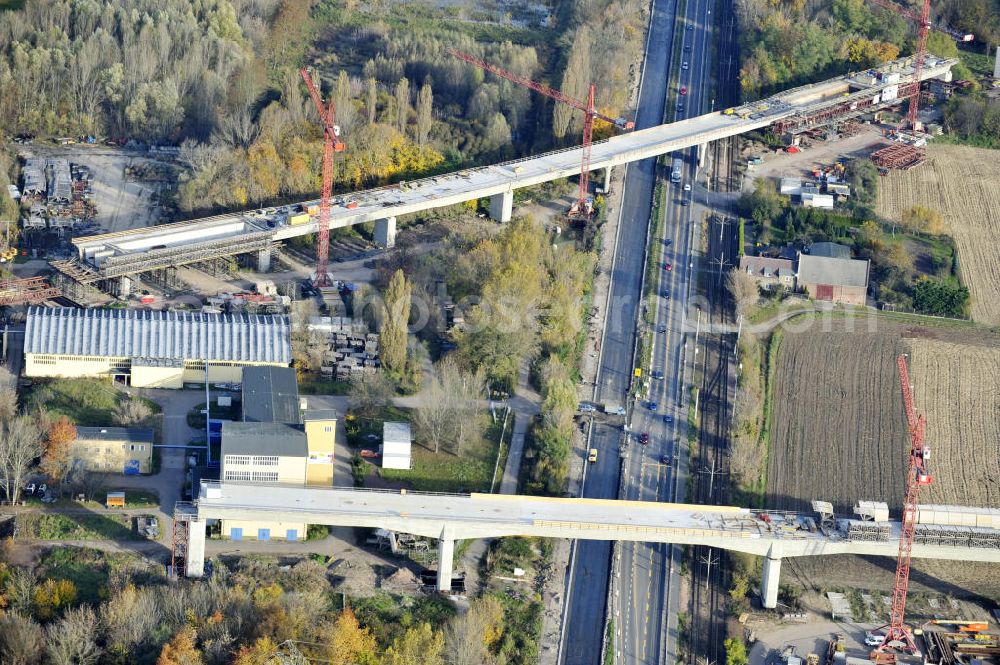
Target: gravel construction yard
(960, 183)
(838, 433)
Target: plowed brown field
(838, 434)
(961, 183)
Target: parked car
(653, 406)
(588, 408)
(664, 460)
(644, 438)
(592, 457)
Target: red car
(684, 90)
(668, 267)
(644, 438)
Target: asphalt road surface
(647, 593)
(588, 584)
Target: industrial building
(113, 449)
(834, 279)
(152, 349)
(279, 442)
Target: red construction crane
(582, 205)
(923, 21)
(331, 144)
(897, 635)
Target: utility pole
(712, 473)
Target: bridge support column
(702, 155)
(501, 206)
(264, 260)
(607, 178)
(769, 580)
(446, 553)
(194, 565)
(385, 233)
(124, 287)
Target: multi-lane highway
(644, 629)
(588, 581)
(647, 589)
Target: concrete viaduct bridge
(449, 517)
(111, 258)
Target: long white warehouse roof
(127, 333)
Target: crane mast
(897, 636)
(924, 26)
(331, 144)
(582, 205)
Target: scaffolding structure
(899, 156)
(31, 289)
(184, 513)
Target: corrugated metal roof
(836, 272)
(396, 432)
(129, 333)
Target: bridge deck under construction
(123, 253)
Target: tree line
(791, 42)
(249, 614)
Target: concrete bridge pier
(264, 260)
(702, 155)
(124, 287)
(501, 206)
(607, 178)
(446, 555)
(770, 578)
(194, 564)
(385, 232)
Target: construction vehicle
(963, 626)
(897, 634)
(835, 653)
(583, 205)
(331, 144)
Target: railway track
(707, 631)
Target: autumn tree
(576, 79)
(370, 393)
(345, 640)
(52, 596)
(58, 439)
(471, 637)
(131, 412)
(402, 105)
(371, 100)
(450, 413)
(21, 640)
(421, 644)
(921, 219)
(393, 335)
(20, 444)
(8, 404)
(181, 650)
(261, 652)
(73, 640)
(346, 112)
(425, 113)
(743, 290)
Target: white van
(874, 639)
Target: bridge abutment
(769, 580)
(385, 233)
(264, 260)
(502, 206)
(446, 553)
